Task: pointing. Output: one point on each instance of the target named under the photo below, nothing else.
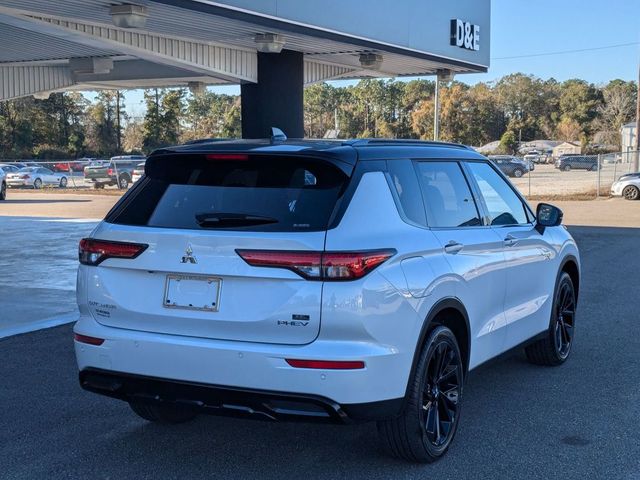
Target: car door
(471, 249)
(529, 256)
(46, 175)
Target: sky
(534, 31)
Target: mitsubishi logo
(188, 256)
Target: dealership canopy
(50, 46)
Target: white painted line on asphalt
(39, 325)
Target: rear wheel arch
(451, 313)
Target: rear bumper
(235, 402)
(249, 366)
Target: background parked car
(509, 165)
(36, 177)
(575, 161)
(137, 172)
(3, 185)
(627, 186)
(118, 171)
(73, 166)
(6, 168)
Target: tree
(102, 124)
(579, 103)
(508, 142)
(617, 108)
(133, 138)
(568, 130)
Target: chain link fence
(117, 173)
(568, 176)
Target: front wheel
(566, 168)
(517, 173)
(425, 429)
(594, 168)
(123, 182)
(161, 413)
(37, 184)
(63, 182)
(555, 347)
(631, 192)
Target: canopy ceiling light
(269, 42)
(129, 15)
(372, 61)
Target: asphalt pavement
(578, 421)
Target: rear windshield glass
(257, 193)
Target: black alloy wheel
(425, 428)
(556, 345)
(441, 394)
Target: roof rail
(205, 140)
(364, 142)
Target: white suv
(314, 280)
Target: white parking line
(39, 325)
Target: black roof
(348, 151)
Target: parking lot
(580, 419)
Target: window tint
(505, 207)
(405, 183)
(447, 196)
(257, 194)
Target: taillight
(93, 252)
(25, 177)
(110, 171)
(327, 266)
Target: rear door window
(261, 193)
(447, 195)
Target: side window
(405, 182)
(505, 207)
(447, 196)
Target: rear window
(257, 193)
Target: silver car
(627, 186)
(36, 177)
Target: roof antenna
(277, 135)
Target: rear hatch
(194, 211)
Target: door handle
(453, 247)
(510, 241)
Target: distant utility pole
(118, 131)
(636, 155)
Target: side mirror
(547, 216)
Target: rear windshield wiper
(224, 220)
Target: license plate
(192, 292)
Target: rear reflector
(327, 266)
(93, 252)
(89, 340)
(227, 156)
(326, 364)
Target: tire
(161, 414)
(123, 182)
(566, 168)
(63, 182)
(555, 347)
(415, 435)
(98, 186)
(3, 191)
(594, 168)
(631, 192)
(518, 173)
(37, 184)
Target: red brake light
(227, 156)
(89, 340)
(93, 252)
(110, 171)
(25, 177)
(327, 266)
(326, 364)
